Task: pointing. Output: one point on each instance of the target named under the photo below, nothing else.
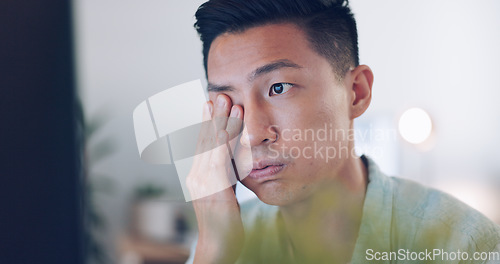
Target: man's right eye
(279, 88)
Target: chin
(275, 202)
(274, 193)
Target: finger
(205, 128)
(222, 161)
(234, 125)
(207, 111)
(234, 128)
(222, 154)
(235, 121)
(206, 137)
(221, 111)
(215, 171)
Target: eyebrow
(214, 88)
(272, 66)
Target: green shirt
(402, 222)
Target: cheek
(333, 105)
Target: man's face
(289, 94)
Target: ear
(362, 80)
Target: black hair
(328, 24)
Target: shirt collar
(374, 232)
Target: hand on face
(221, 234)
(212, 170)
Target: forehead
(233, 55)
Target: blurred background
(438, 56)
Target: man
(289, 69)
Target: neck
(326, 224)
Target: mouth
(266, 170)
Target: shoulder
(415, 216)
(433, 215)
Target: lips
(266, 170)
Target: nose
(258, 127)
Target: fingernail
(220, 101)
(235, 111)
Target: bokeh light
(415, 125)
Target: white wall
(442, 56)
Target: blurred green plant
(95, 150)
(148, 191)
